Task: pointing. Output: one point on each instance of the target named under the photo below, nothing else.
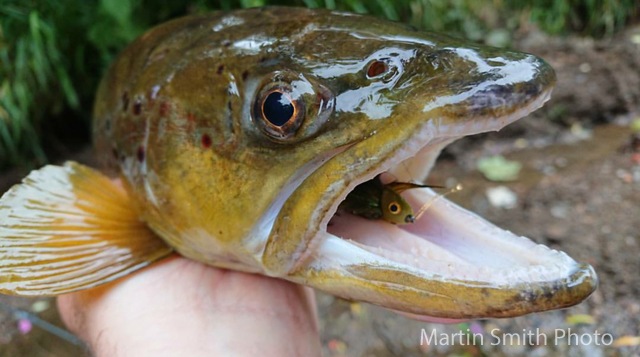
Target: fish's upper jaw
(496, 91)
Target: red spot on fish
(137, 107)
(125, 101)
(140, 153)
(377, 68)
(206, 141)
(164, 109)
(220, 69)
(191, 118)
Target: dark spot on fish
(107, 124)
(226, 43)
(164, 109)
(125, 101)
(220, 69)
(137, 107)
(140, 153)
(206, 141)
(229, 106)
(115, 153)
(245, 74)
(262, 59)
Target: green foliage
(53, 53)
(589, 17)
(30, 67)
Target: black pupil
(394, 208)
(277, 108)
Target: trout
(237, 135)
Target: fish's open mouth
(450, 263)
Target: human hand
(182, 307)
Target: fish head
(276, 114)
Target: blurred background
(568, 176)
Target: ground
(578, 191)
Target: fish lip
(575, 282)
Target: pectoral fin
(66, 228)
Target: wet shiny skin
(180, 117)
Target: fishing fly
(374, 199)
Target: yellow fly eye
(278, 114)
(394, 208)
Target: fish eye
(277, 108)
(278, 113)
(377, 68)
(289, 107)
(394, 208)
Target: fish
(231, 138)
(376, 200)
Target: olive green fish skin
(174, 113)
(178, 116)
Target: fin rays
(67, 228)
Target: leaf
(120, 10)
(635, 125)
(497, 168)
(627, 341)
(581, 319)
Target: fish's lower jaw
(449, 264)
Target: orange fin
(67, 228)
